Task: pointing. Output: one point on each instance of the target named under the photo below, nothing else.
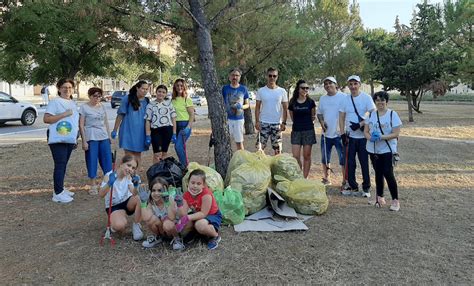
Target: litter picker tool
(108, 231)
(346, 167)
(326, 154)
(259, 142)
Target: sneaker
(94, 190)
(62, 198)
(68, 192)
(346, 191)
(366, 194)
(137, 231)
(177, 243)
(395, 206)
(151, 241)
(213, 242)
(357, 193)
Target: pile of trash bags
(305, 196)
(213, 179)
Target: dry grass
(428, 242)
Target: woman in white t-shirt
(384, 128)
(63, 119)
(94, 128)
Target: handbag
(63, 131)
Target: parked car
(252, 95)
(198, 100)
(13, 110)
(117, 97)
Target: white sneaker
(68, 192)
(62, 198)
(366, 194)
(151, 241)
(178, 243)
(395, 206)
(137, 231)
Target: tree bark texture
(218, 116)
(248, 121)
(410, 106)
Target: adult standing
(328, 117)
(302, 110)
(382, 133)
(131, 121)
(94, 129)
(63, 119)
(236, 99)
(271, 110)
(184, 108)
(45, 95)
(351, 115)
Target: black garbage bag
(170, 169)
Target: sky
(382, 13)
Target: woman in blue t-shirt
(131, 120)
(303, 113)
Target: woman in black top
(303, 113)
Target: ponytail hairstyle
(132, 95)
(296, 92)
(175, 90)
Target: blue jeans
(328, 143)
(61, 153)
(180, 145)
(358, 145)
(98, 151)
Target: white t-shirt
(364, 104)
(381, 146)
(271, 99)
(60, 105)
(94, 125)
(329, 106)
(120, 192)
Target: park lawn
(428, 242)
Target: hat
(354, 77)
(331, 79)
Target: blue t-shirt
(233, 96)
(302, 120)
(132, 128)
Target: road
(16, 133)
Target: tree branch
(191, 15)
(213, 21)
(264, 57)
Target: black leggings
(383, 167)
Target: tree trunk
(372, 88)
(222, 149)
(10, 89)
(248, 119)
(410, 106)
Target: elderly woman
(94, 128)
(384, 128)
(63, 119)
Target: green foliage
(64, 39)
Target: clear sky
(382, 13)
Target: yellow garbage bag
(285, 165)
(252, 180)
(213, 179)
(238, 158)
(305, 196)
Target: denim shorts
(215, 220)
(329, 142)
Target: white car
(13, 110)
(198, 100)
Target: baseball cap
(331, 79)
(354, 77)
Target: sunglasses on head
(273, 75)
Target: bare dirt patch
(428, 242)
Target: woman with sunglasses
(184, 108)
(94, 129)
(303, 113)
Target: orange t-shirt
(195, 203)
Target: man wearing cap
(236, 99)
(271, 111)
(328, 116)
(353, 111)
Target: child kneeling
(156, 205)
(199, 211)
(125, 202)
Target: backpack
(170, 169)
(43, 90)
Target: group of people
(354, 124)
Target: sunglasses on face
(273, 75)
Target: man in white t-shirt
(351, 119)
(271, 111)
(328, 116)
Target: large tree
(64, 39)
